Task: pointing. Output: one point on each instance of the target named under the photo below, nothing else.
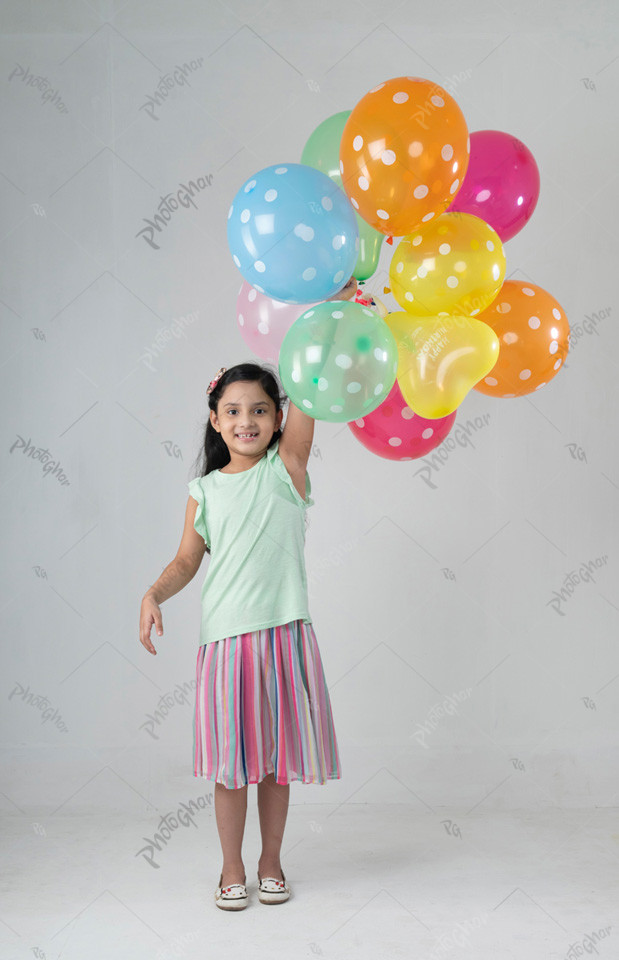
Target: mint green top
(254, 525)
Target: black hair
(215, 453)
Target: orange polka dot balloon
(403, 154)
(533, 334)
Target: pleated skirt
(263, 706)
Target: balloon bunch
(400, 164)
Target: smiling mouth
(246, 436)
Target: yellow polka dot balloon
(454, 266)
(440, 359)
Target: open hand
(150, 613)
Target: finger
(146, 641)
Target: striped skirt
(262, 706)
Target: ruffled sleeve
(280, 468)
(197, 492)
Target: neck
(239, 464)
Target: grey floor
(367, 881)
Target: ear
(214, 420)
(278, 419)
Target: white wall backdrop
(471, 659)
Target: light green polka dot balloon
(338, 361)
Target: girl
(263, 713)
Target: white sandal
(271, 890)
(232, 897)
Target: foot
(273, 887)
(231, 896)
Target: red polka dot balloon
(533, 337)
(395, 432)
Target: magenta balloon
(395, 432)
(264, 322)
(501, 184)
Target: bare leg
(273, 801)
(230, 813)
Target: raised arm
(296, 440)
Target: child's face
(244, 408)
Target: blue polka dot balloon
(293, 233)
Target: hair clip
(213, 382)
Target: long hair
(214, 453)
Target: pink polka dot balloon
(395, 432)
(264, 322)
(502, 182)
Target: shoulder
(196, 488)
